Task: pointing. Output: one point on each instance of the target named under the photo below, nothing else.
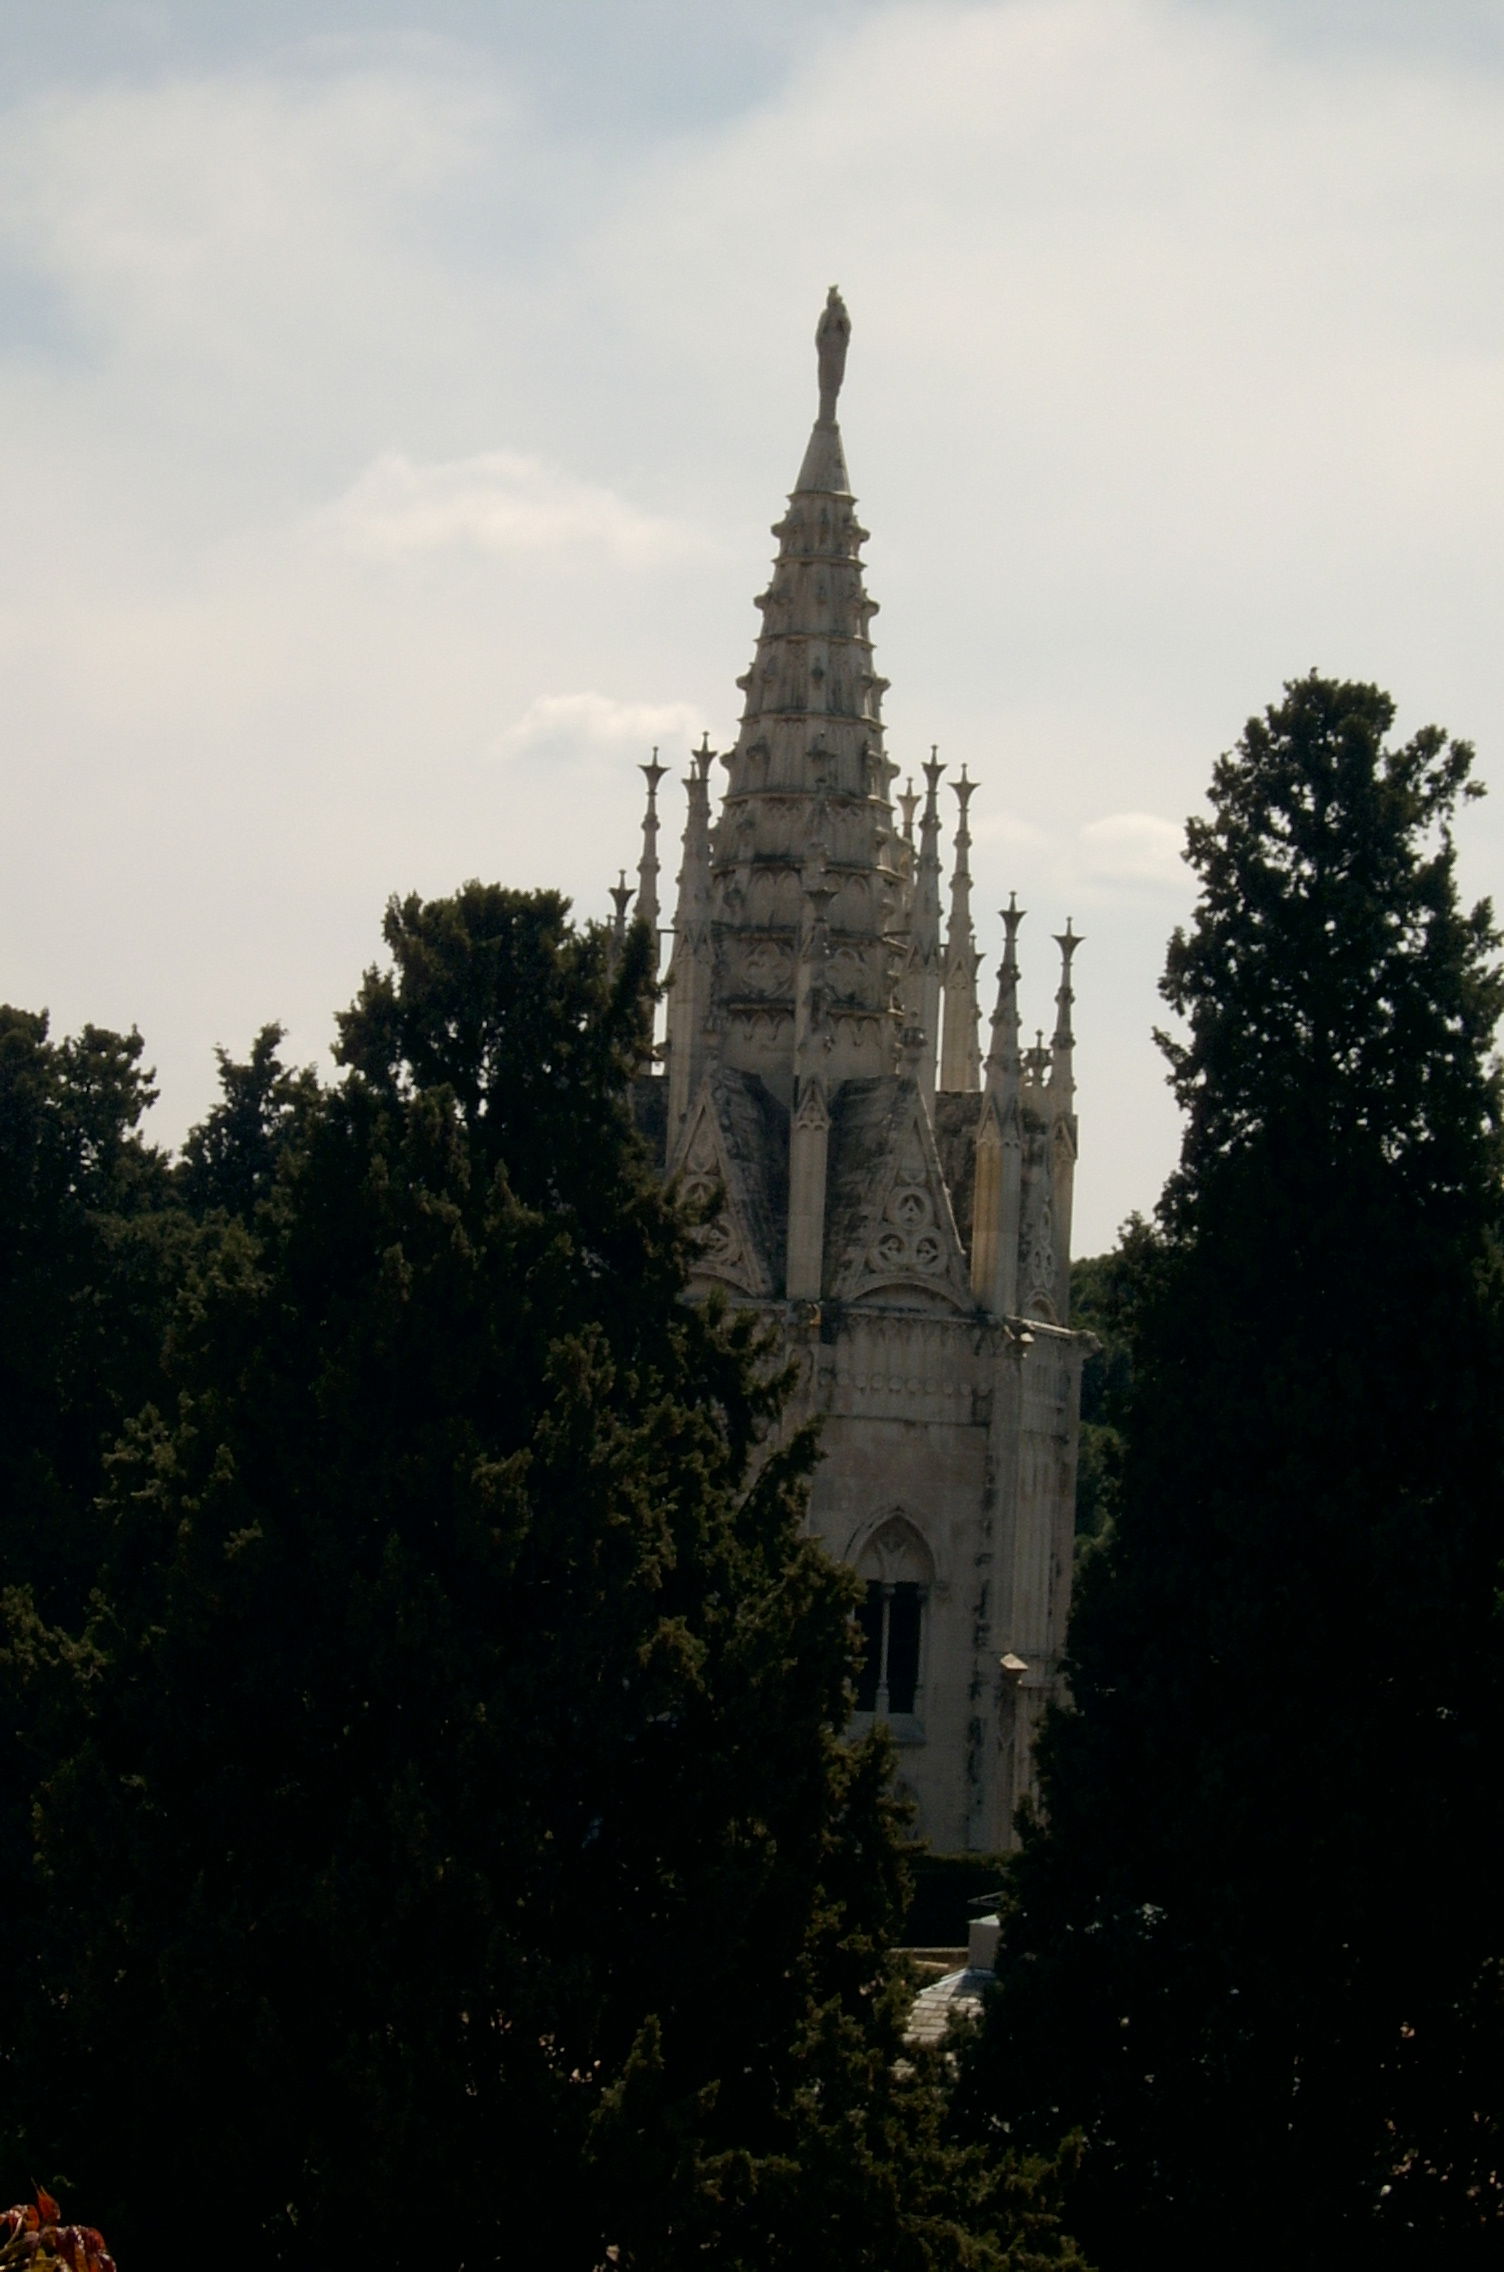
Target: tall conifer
(1255, 1934)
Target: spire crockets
(811, 736)
(960, 1065)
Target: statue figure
(831, 334)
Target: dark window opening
(870, 1618)
(903, 1648)
(888, 1679)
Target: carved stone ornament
(1036, 1262)
(705, 1174)
(767, 968)
(896, 1554)
(910, 1233)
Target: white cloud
(1133, 848)
(1008, 830)
(575, 730)
(497, 501)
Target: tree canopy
(1254, 1949)
(451, 1823)
(89, 1256)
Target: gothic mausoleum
(895, 1203)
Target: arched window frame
(892, 1553)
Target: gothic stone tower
(899, 1208)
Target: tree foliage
(1255, 1943)
(1102, 1290)
(453, 1802)
(89, 1257)
(231, 1160)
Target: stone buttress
(897, 1206)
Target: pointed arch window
(897, 1571)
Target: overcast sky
(394, 404)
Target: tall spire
(693, 952)
(810, 743)
(996, 1202)
(926, 963)
(1004, 1066)
(960, 1058)
(1062, 1099)
(647, 866)
(1063, 1041)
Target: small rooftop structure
(958, 1994)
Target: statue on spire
(831, 334)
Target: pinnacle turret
(647, 866)
(924, 977)
(692, 966)
(960, 1064)
(1004, 1065)
(1063, 1041)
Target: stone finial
(908, 800)
(621, 893)
(832, 333)
(1012, 916)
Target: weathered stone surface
(908, 1244)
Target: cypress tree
(1254, 1947)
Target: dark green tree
(230, 1160)
(1102, 1292)
(90, 1254)
(456, 1856)
(1256, 1935)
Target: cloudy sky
(394, 403)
